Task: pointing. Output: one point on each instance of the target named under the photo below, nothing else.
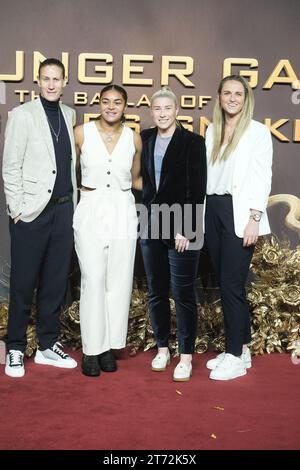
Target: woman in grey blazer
(239, 160)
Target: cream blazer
(252, 175)
(29, 160)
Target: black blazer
(183, 173)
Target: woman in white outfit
(105, 227)
(239, 161)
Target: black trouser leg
(163, 265)
(184, 267)
(53, 279)
(231, 262)
(38, 255)
(28, 244)
(156, 262)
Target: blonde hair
(219, 120)
(164, 92)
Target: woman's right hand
(181, 243)
(251, 233)
(16, 219)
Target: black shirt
(62, 148)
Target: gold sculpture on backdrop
(274, 298)
(292, 219)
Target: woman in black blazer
(174, 185)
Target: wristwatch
(255, 217)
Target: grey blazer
(29, 160)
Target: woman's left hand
(181, 243)
(251, 233)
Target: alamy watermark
(165, 221)
(122, 221)
(296, 94)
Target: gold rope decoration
(274, 299)
(292, 219)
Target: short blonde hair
(164, 92)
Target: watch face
(256, 217)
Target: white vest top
(99, 168)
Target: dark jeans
(40, 257)
(231, 262)
(162, 265)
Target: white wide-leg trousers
(106, 258)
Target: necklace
(59, 126)
(108, 136)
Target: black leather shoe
(90, 366)
(107, 361)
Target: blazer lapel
(69, 124)
(68, 117)
(171, 153)
(244, 154)
(149, 152)
(44, 129)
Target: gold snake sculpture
(292, 219)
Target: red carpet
(136, 408)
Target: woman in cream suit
(105, 229)
(239, 158)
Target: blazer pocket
(30, 186)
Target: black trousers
(164, 265)
(231, 262)
(40, 257)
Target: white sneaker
(230, 368)
(55, 356)
(160, 362)
(182, 372)
(14, 363)
(245, 356)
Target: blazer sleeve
(13, 156)
(196, 190)
(261, 170)
(197, 171)
(73, 117)
(143, 156)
